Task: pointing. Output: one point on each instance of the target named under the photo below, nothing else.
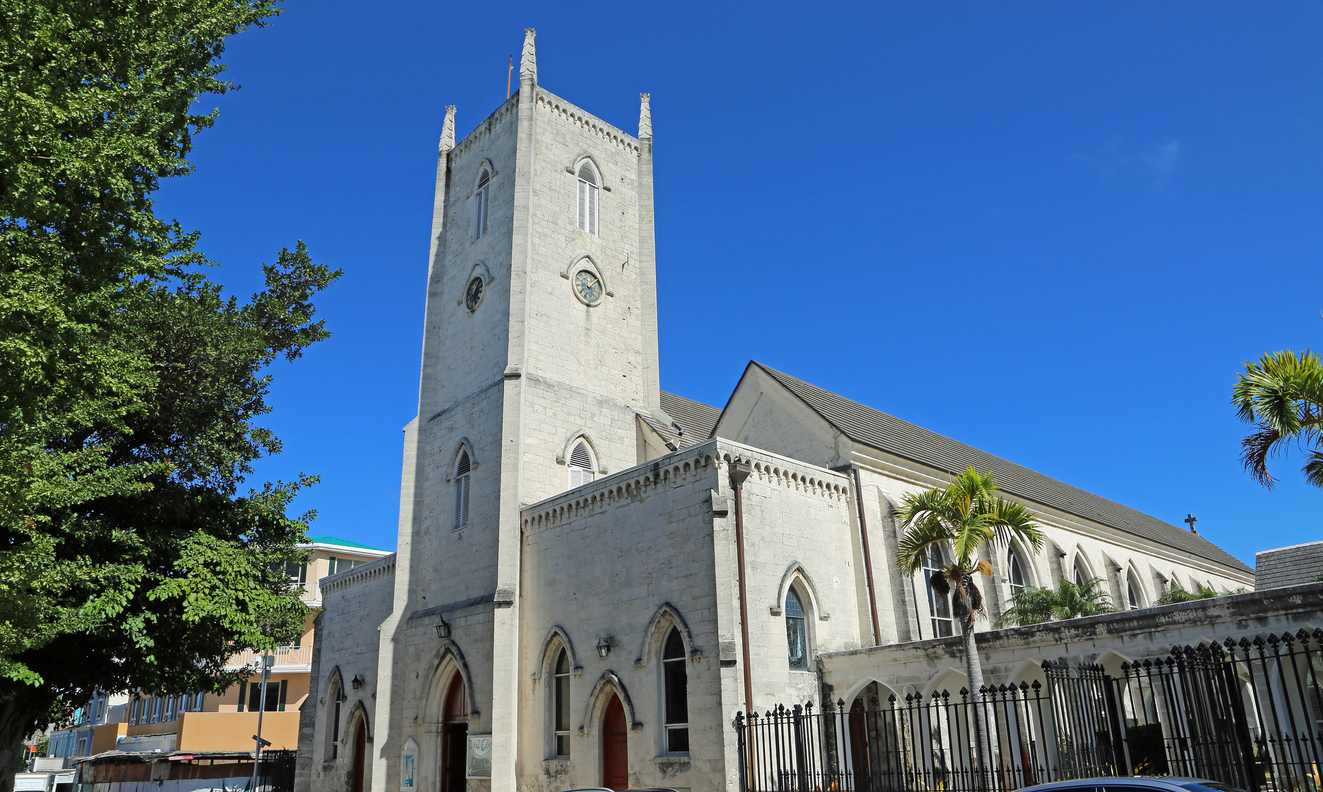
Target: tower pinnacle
(448, 130)
(645, 116)
(528, 60)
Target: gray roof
(887, 433)
(697, 419)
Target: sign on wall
(480, 756)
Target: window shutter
(303, 573)
(583, 205)
(243, 692)
(283, 684)
(592, 210)
(464, 504)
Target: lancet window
(588, 187)
(480, 198)
(939, 605)
(796, 631)
(675, 687)
(581, 465)
(560, 704)
(462, 475)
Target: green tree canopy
(133, 557)
(1032, 605)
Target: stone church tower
(541, 335)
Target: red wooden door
(360, 756)
(615, 746)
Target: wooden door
(360, 757)
(615, 746)
(454, 738)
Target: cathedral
(594, 576)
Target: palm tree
(959, 521)
(1282, 396)
(1033, 605)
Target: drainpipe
(868, 558)
(739, 471)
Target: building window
(480, 205)
(588, 186)
(1015, 572)
(170, 708)
(157, 706)
(939, 605)
(462, 492)
(1081, 573)
(581, 465)
(333, 725)
(202, 697)
(1132, 600)
(560, 703)
(273, 701)
(796, 635)
(675, 690)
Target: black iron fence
(1247, 713)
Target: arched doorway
(454, 737)
(360, 755)
(615, 746)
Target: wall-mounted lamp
(442, 628)
(604, 647)
(357, 681)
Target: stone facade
(609, 570)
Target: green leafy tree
(963, 520)
(131, 556)
(1032, 605)
(1282, 396)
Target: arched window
(333, 701)
(462, 492)
(796, 632)
(1081, 573)
(581, 465)
(588, 187)
(480, 194)
(675, 692)
(939, 605)
(1132, 600)
(560, 704)
(1015, 572)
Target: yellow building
(227, 722)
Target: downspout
(868, 558)
(739, 471)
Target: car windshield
(1210, 786)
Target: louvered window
(581, 465)
(462, 492)
(588, 187)
(480, 205)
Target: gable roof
(863, 424)
(697, 419)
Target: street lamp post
(267, 662)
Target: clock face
(473, 294)
(588, 286)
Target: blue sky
(1051, 230)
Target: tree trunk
(12, 731)
(974, 667)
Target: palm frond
(1282, 395)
